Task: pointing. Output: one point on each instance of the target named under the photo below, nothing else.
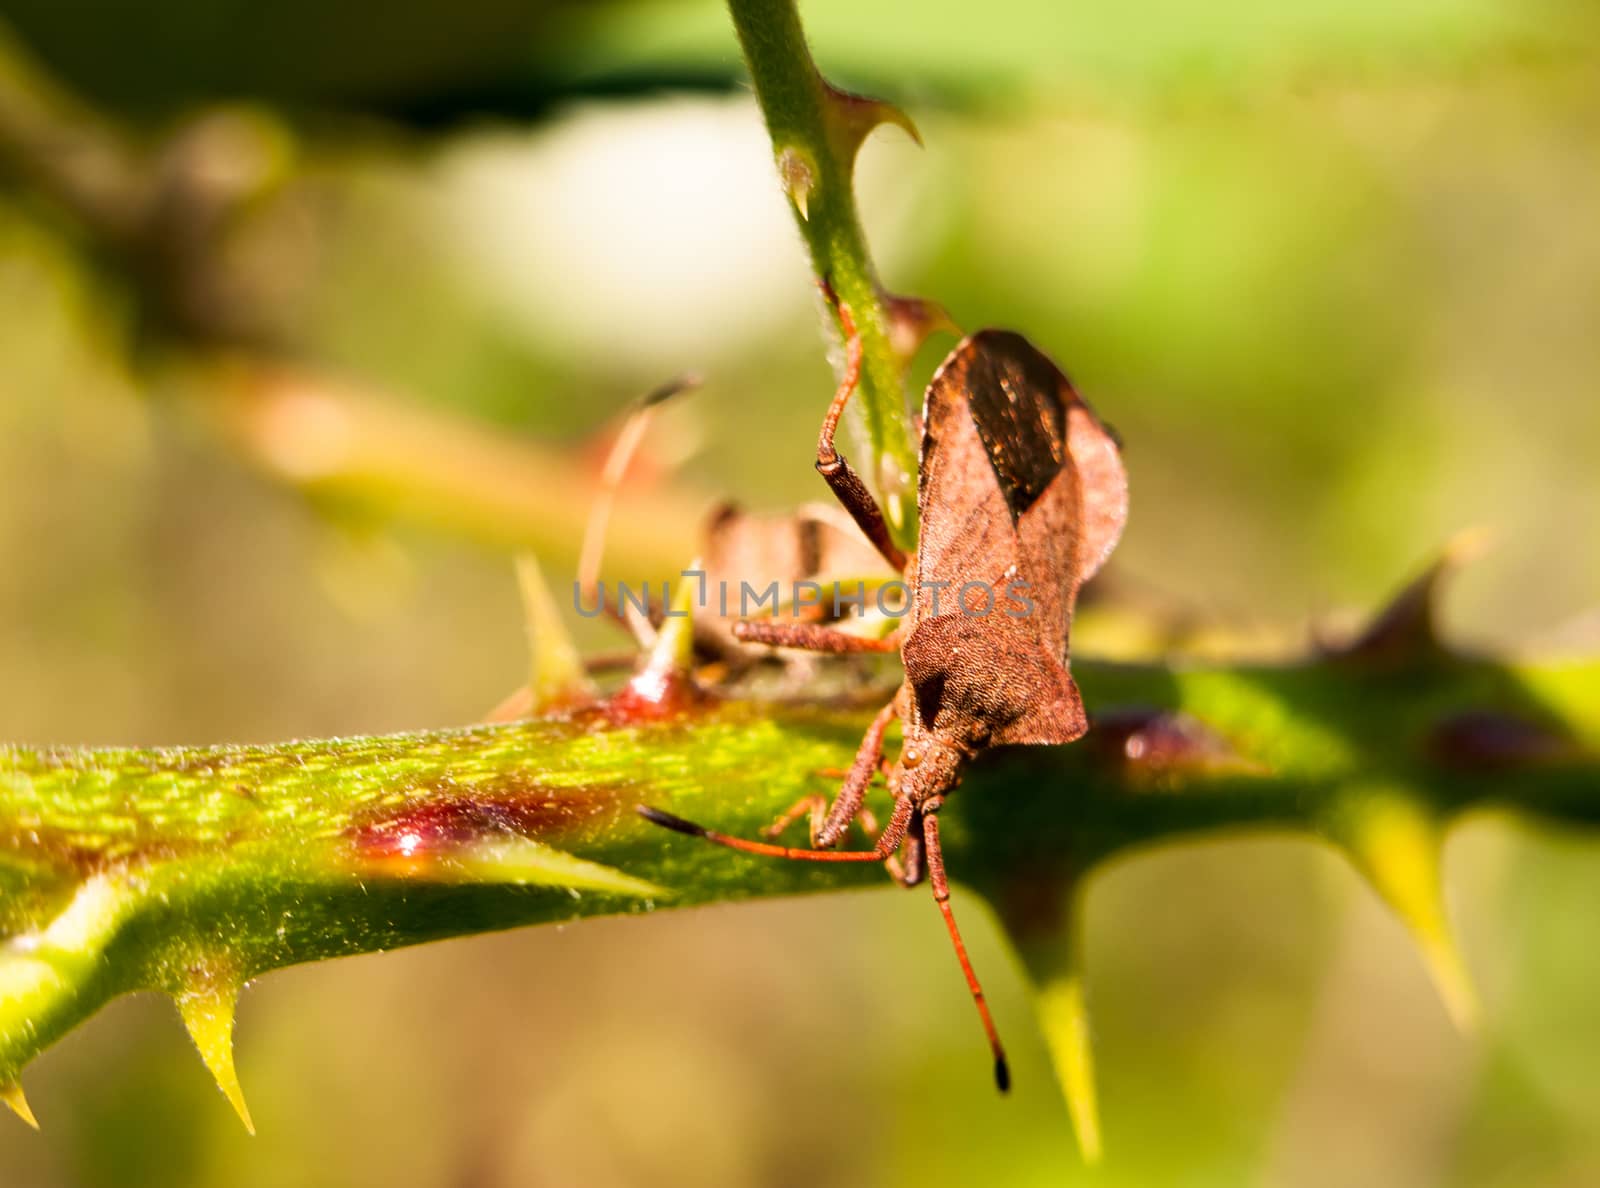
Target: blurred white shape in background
(654, 232)
(651, 231)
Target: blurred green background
(1332, 268)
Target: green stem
(814, 147)
(130, 869)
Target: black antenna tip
(1002, 1075)
(686, 382)
(667, 821)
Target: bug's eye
(911, 756)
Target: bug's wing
(968, 529)
(999, 507)
(1072, 527)
(1021, 487)
(1103, 484)
(1019, 480)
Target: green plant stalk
(815, 133)
(173, 869)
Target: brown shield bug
(1021, 496)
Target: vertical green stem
(814, 153)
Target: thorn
(672, 653)
(1053, 956)
(852, 118)
(797, 174)
(1064, 1015)
(207, 1007)
(664, 685)
(13, 1096)
(1397, 846)
(1407, 628)
(912, 320)
(558, 677)
(521, 861)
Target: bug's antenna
(616, 467)
(941, 896)
(888, 841)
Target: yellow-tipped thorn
(797, 173)
(557, 675)
(1064, 1016)
(1397, 845)
(522, 861)
(1052, 954)
(208, 1009)
(673, 650)
(1453, 980)
(13, 1096)
(664, 683)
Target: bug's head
(929, 764)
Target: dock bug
(1020, 489)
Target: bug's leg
(941, 896)
(814, 806)
(833, 466)
(853, 793)
(895, 864)
(906, 866)
(912, 859)
(868, 820)
(828, 825)
(813, 637)
(845, 806)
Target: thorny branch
(194, 870)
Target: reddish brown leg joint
(834, 467)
